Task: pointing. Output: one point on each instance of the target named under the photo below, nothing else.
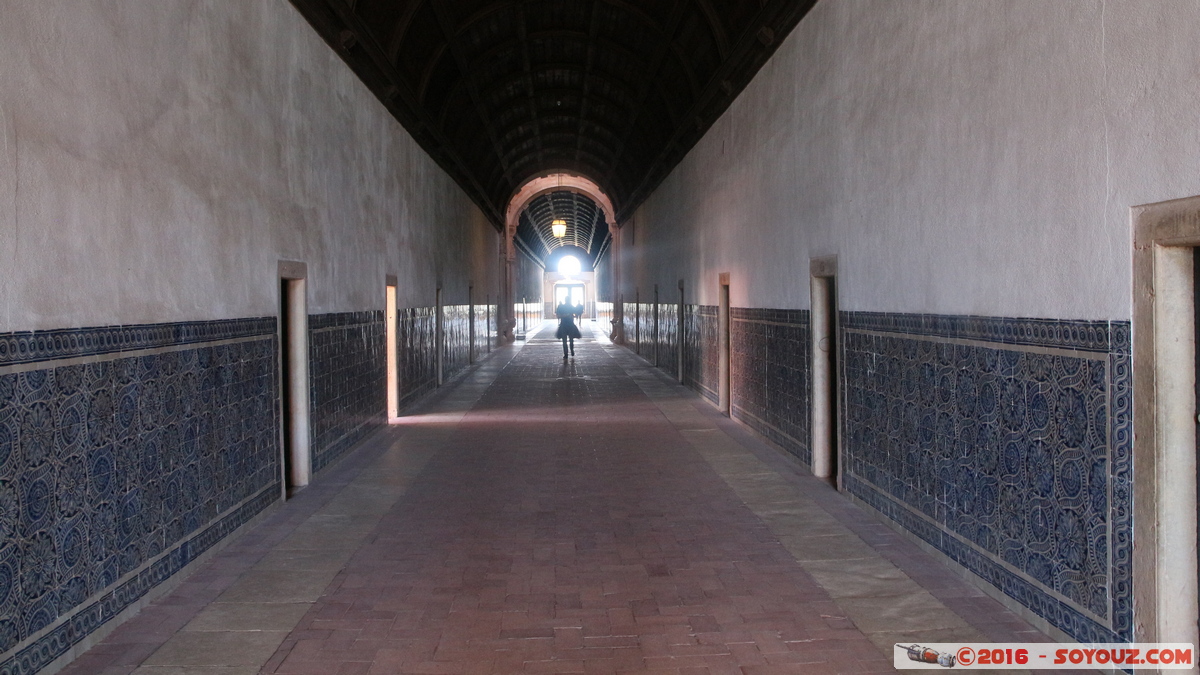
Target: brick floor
(566, 524)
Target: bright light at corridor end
(569, 266)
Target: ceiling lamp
(558, 227)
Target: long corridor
(542, 515)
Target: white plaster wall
(158, 158)
(957, 157)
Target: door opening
(293, 361)
(637, 321)
(393, 369)
(439, 335)
(1195, 404)
(657, 334)
(723, 346)
(569, 293)
(1164, 364)
(824, 377)
(679, 336)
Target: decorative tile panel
(646, 336)
(456, 339)
(1006, 444)
(45, 345)
(700, 360)
(528, 316)
(634, 336)
(117, 469)
(769, 375)
(668, 338)
(484, 315)
(416, 335)
(347, 381)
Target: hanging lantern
(558, 227)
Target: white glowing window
(569, 266)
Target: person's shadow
(568, 370)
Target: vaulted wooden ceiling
(586, 226)
(499, 91)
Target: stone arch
(555, 182)
(530, 190)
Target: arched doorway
(531, 190)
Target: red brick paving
(568, 528)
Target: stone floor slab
(224, 648)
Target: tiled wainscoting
(416, 333)
(769, 375)
(1006, 444)
(700, 359)
(125, 453)
(668, 338)
(639, 327)
(456, 333)
(484, 340)
(604, 318)
(347, 375)
(128, 451)
(629, 325)
(528, 316)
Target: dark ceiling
(499, 91)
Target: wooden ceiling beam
(427, 74)
(522, 36)
(484, 119)
(510, 132)
(448, 30)
(518, 77)
(398, 31)
(575, 217)
(717, 28)
(593, 27)
(507, 45)
(651, 72)
(628, 7)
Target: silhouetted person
(567, 330)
